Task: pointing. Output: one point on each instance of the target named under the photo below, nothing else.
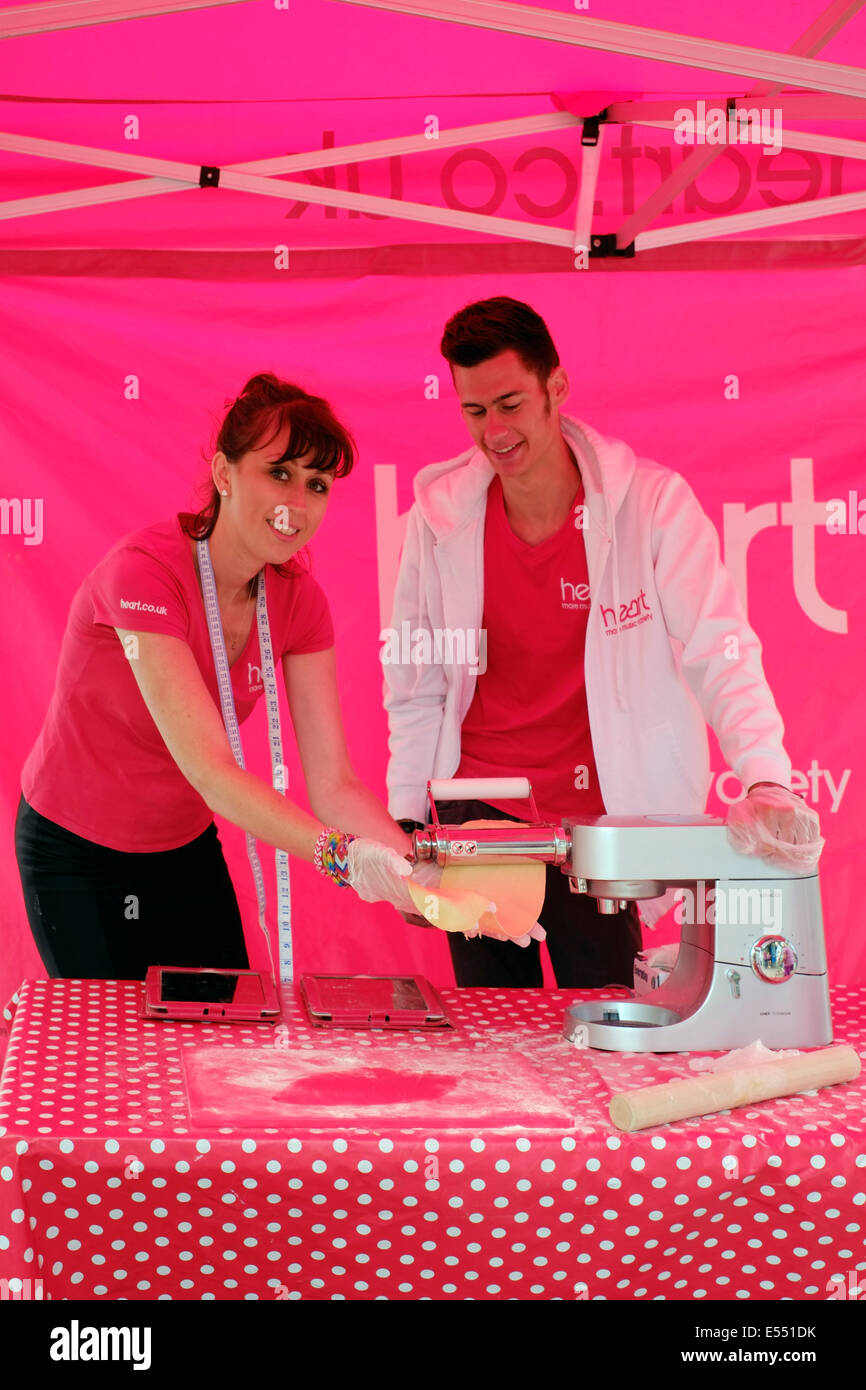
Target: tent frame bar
(751, 221)
(591, 144)
(50, 15)
(173, 176)
(811, 41)
(295, 163)
(662, 46)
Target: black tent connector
(589, 134)
(604, 244)
(209, 176)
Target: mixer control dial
(773, 959)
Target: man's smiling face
(510, 415)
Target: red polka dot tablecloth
(111, 1189)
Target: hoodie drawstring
(621, 701)
(613, 559)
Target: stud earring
(224, 492)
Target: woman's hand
(378, 874)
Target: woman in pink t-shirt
(119, 857)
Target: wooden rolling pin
(683, 1100)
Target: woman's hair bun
(267, 388)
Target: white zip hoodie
(668, 648)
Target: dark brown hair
(260, 413)
(490, 326)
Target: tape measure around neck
(278, 768)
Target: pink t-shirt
(99, 767)
(528, 716)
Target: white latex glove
(378, 874)
(777, 825)
(535, 933)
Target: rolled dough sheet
(465, 890)
(369, 1087)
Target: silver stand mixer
(751, 962)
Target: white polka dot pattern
(108, 1190)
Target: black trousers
(99, 913)
(588, 949)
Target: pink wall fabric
(749, 384)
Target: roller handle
(479, 788)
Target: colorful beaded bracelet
(331, 855)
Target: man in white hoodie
(613, 634)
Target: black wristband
(410, 825)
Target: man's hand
(777, 825)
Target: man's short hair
(490, 326)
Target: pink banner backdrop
(749, 383)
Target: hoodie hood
(452, 493)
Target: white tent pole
(50, 15)
(824, 27)
(170, 176)
(88, 197)
(586, 32)
(314, 159)
(589, 168)
(466, 221)
(750, 221)
(413, 144)
(187, 175)
(336, 198)
(100, 159)
(811, 41)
